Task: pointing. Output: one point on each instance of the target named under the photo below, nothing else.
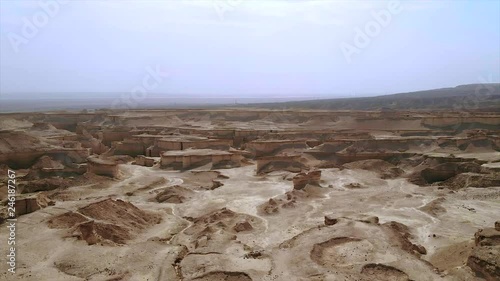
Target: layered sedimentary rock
(485, 258)
(103, 167)
(144, 161)
(183, 159)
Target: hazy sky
(247, 48)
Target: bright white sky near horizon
(258, 48)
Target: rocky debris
(354, 185)
(330, 220)
(107, 222)
(497, 225)
(385, 169)
(270, 207)
(302, 179)
(253, 255)
(216, 184)
(242, 226)
(215, 230)
(285, 201)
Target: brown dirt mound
(96, 232)
(434, 207)
(224, 276)
(452, 256)
(66, 220)
(116, 222)
(120, 212)
(383, 272)
(321, 252)
(222, 219)
(173, 194)
(402, 236)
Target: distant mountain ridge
(464, 97)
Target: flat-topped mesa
(190, 158)
(462, 122)
(189, 142)
(153, 145)
(102, 167)
(261, 148)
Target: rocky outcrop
(487, 237)
(443, 172)
(33, 203)
(485, 262)
(302, 179)
(485, 258)
(331, 220)
(102, 167)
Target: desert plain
(242, 194)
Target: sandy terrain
(253, 195)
